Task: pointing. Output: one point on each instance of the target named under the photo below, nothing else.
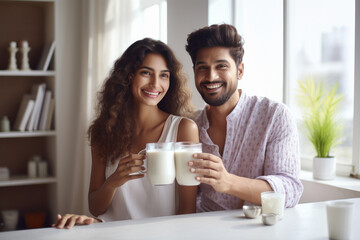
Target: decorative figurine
(25, 58)
(5, 124)
(12, 61)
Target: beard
(223, 98)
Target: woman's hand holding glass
(129, 168)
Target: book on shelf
(46, 56)
(37, 93)
(45, 111)
(25, 110)
(50, 114)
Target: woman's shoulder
(188, 130)
(187, 123)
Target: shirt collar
(238, 108)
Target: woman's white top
(138, 198)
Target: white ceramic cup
(183, 154)
(10, 218)
(160, 163)
(339, 218)
(273, 202)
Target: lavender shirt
(261, 142)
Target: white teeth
(213, 86)
(152, 93)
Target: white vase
(324, 168)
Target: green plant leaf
(320, 111)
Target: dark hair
(113, 129)
(223, 35)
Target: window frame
(354, 169)
(144, 4)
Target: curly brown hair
(223, 35)
(112, 130)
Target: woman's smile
(151, 93)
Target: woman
(141, 102)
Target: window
(286, 41)
(151, 20)
(263, 42)
(321, 44)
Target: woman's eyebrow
(151, 69)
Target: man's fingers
(206, 156)
(206, 180)
(205, 164)
(210, 173)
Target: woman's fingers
(62, 221)
(131, 161)
(70, 220)
(57, 221)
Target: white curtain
(106, 33)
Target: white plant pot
(324, 168)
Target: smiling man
(250, 143)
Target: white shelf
(28, 17)
(27, 134)
(22, 180)
(32, 73)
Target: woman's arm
(188, 131)
(101, 190)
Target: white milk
(272, 202)
(183, 174)
(340, 217)
(160, 167)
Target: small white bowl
(269, 218)
(252, 211)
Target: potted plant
(323, 130)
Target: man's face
(216, 75)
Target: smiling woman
(144, 100)
(151, 81)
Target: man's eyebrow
(222, 61)
(217, 61)
(200, 62)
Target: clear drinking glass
(273, 202)
(160, 164)
(183, 154)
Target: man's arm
(215, 174)
(282, 159)
(281, 167)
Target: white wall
(317, 192)
(184, 17)
(68, 37)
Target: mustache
(213, 82)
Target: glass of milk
(273, 202)
(160, 163)
(339, 218)
(183, 154)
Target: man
(250, 144)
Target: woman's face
(151, 80)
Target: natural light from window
(151, 21)
(321, 44)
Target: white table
(305, 221)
